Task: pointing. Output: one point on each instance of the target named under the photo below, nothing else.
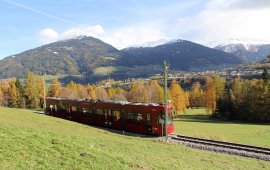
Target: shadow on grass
(202, 118)
(199, 118)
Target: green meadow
(197, 123)
(35, 141)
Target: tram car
(145, 118)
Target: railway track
(225, 147)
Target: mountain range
(184, 55)
(92, 58)
(251, 52)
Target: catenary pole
(166, 66)
(44, 93)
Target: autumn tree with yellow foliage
(156, 92)
(1, 96)
(4, 88)
(196, 95)
(178, 97)
(70, 91)
(55, 88)
(138, 92)
(101, 93)
(210, 94)
(214, 92)
(91, 91)
(33, 90)
(14, 96)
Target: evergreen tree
(19, 86)
(219, 84)
(265, 75)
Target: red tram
(146, 118)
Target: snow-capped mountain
(253, 52)
(184, 55)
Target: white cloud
(120, 38)
(48, 35)
(239, 4)
(132, 36)
(88, 31)
(221, 21)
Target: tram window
(60, 105)
(84, 110)
(148, 118)
(161, 119)
(67, 108)
(116, 115)
(107, 111)
(135, 118)
(55, 108)
(73, 108)
(90, 110)
(99, 112)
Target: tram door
(148, 123)
(108, 117)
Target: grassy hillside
(196, 122)
(34, 141)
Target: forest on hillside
(240, 99)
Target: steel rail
(260, 152)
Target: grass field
(196, 122)
(104, 70)
(34, 141)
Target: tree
(70, 91)
(138, 92)
(265, 75)
(19, 86)
(196, 95)
(91, 91)
(178, 97)
(156, 92)
(55, 88)
(219, 84)
(118, 94)
(82, 92)
(32, 92)
(40, 88)
(15, 98)
(4, 88)
(210, 94)
(110, 92)
(21, 92)
(1, 96)
(101, 93)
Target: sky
(27, 24)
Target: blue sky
(26, 24)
